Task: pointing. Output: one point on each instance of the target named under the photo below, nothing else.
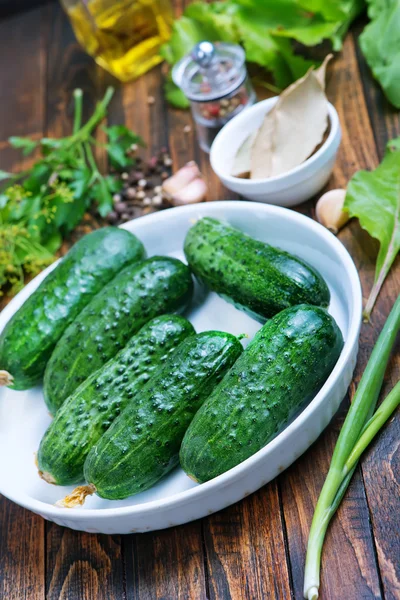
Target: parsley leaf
(4, 175)
(44, 203)
(120, 140)
(25, 144)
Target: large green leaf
(380, 43)
(265, 29)
(288, 18)
(374, 197)
(218, 18)
(275, 54)
(333, 10)
(375, 7)
(186, 33)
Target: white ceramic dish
(288, 189)
(176, 499)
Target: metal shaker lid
(210, 71)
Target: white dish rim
(179, 498)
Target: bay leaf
(255, 157)
(291, 131)
(320, 73)
(242, 162)
(293, 128)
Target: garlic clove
(180, 179)
(329, 210)
(194, 192)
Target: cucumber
(140, 292)
(30, 336)
(281, 370)
(255, 277)
(143, 443)
(86, 415)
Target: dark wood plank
(244, 558)
(182, 137)
(82, 565)
(381, 464)
(183, 141)
(22, 553)
(165, 565)
(78, 565)
(22, 68)
(381, 474)
(22, 549)
(10, 7)
(350, 566)
(245, 549)
(230, 541)
(69, 67)
(144, 111)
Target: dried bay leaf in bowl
(242, 162)
(291, 131)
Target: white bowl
(288, 189)
(176, 499)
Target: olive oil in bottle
(123, 36)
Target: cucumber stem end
(6, 378)
(47, 477)
(77, 497)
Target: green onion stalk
(359, 428)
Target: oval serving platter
(176, 499)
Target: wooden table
(256, 548)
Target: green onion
(359, 428)
(373, 426)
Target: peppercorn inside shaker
(214, 79)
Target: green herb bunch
(41, 205)
(269, 31)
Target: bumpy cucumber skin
(30, 336)
(283, 367)
(87, 414)
(143, 443)
(255, 277)
(156, 286)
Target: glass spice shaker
(214, 79)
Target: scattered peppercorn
(142, 188)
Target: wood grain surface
(256, 548)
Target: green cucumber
(142, 444)
(31, 334)
(254, 276)
(140, 292)
(281, 370)
(87, 414)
